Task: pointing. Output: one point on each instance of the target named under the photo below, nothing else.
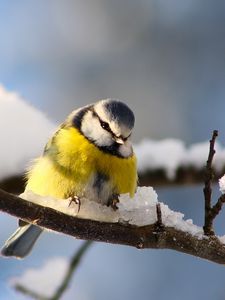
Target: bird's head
(108, 124)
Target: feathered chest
(78, 164)
(82, 158)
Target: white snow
(175, 219)
(40, 280)
(222, 184)
(169, 154)
(222, 189)
(166, 154)
(45, 280)
(196, 155)
(222, 239)
(24, 132)
(139, 211)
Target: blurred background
(166, 59)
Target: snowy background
(166, 60)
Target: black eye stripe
(103, 124)
(106, 126)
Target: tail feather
(21, 241)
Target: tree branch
(148, 236)
(218, 206)
(210, 213)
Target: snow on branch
(170, 161)
(127, 226)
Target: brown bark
(150, 236)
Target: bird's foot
(113, 201)
(76, 200)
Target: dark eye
(104, 125)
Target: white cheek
(93, 130)
(102, 137)
(126, 149)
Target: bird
(90, 155)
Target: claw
(76, 200)
(113, 202)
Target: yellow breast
(70, 163)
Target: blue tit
(90, 155)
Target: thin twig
(208, 225)
(74, 263)
(159, 214)
(28, 292)
(217, 207)
(159, 224)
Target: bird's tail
(21, 241)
